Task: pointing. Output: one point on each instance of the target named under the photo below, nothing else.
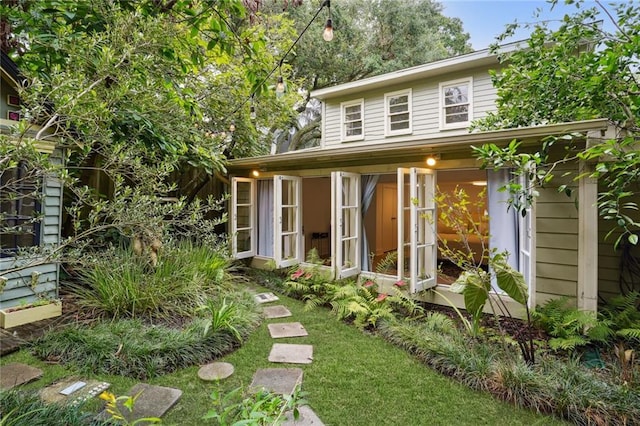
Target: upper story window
(398, 112)
(352, 120)
(456, 107)
(19, 210)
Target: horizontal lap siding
(425, 110)
(17, 288)
(556, 241)
(609, 259)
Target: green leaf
(512, 282)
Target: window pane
(398, 109)
(244, 192)
(456, 95)
(457, 114)
(397, 100)
(354, 129)
(352, 111)
(243, 218)
(244, 240)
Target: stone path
(285, 380)
(155, 401)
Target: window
(19, 210)
(398, 113)
(353, 120)
(456, 103)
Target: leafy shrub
(260, 408)
(570, 327)
(121, 284)
(623, 314)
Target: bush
(120, 284)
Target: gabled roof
(457, 63)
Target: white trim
(481, 58)
(251, 229)
(587, 240)
(347, 224)
(387, 114)
(343, 133)
(441, 111)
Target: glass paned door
(287, 220)
(243, 217)
(348, 225)
(417, 239)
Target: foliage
(135, 109)
(118, 283)
(21, 408)
(623, 313)
(260, 408)
(576, 72)
(371, 38)
(224, 317)
(572, 328)
(113, 408)
(133, 349)
(475, 281)
(560, 386)
(361, 303)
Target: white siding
(425, 111)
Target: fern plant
(623, 313)
(571, 328)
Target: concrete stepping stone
(277, 380)
(215, 371)
(307, 417)
(278, 311)
(73, 390)
(152, 401)
(293, 354)
(287, 329)
(16, 374)
(265, 297)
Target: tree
(135, 107)
(371, 38)
(575, 72)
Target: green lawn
(355, 379)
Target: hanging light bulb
(252, 112)
(232, 127)
(431, 161)
(280, 87)
(327, 34)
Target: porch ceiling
(405, 150)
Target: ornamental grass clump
(25, 408)
(121, 284)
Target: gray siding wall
(609, 258)
(557, 239)
(425, 109)
(17, 289)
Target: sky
(485, 19)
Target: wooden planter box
(18, 315)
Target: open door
(243, 217)
(347, 219)
(417, 239)
(287, 220)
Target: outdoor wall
(609, 258)
(5, 91)
(557, 239)
(425, 110)
(18, 287)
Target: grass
(355, 379)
